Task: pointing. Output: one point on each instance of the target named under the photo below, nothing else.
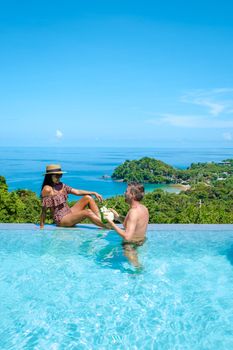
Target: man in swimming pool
(135, 223)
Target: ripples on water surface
(73, 289)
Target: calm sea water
(23, 167)
(73, 289)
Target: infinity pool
(73, 289)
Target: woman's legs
(87, 201)
(77, 216)
(79, 213)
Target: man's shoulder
(143, 207)
(134, 212)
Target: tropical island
(150, 170)
(209, 199)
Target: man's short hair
(137, 190)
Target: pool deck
(154, 227)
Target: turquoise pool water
(73, 289)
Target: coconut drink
(106, 214)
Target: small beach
(180, 187)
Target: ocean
(23, 167)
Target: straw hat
(54, 169)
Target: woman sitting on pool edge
(54, 196)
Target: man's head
(135, 191)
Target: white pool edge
(153, 227)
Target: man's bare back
(141, 216)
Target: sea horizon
(116, 147)
(24, 166)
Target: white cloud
(217, 101)
(221, 90)
(227, 136)
(214, 108)
(59, 134)
(188, 121)
(174, 120)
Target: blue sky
(116, 73)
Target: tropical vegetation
(201, 204)
(208, 201)
(150, 170)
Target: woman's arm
(42, 217)
(46, 192)
(83, 193)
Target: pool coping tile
(154, 227)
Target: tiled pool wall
(153, 227)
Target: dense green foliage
(145, 170)
(18, 206)
(154, 171)
(203, 203)
(207, 172)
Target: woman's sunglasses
(57, 175)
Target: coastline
(91, 164)
(176, 188)
(181, 187)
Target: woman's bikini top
(57, 199)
